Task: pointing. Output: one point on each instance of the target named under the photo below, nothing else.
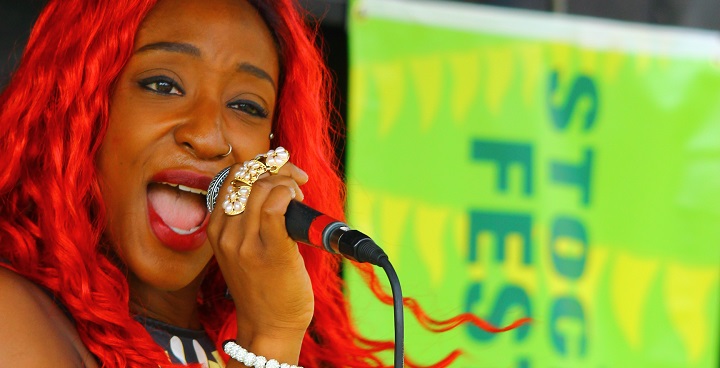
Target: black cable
(359, 247)
(398, 311)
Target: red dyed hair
(53, 116)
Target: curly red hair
(53, 116)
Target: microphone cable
(359, 247)
(399, 322)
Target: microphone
(306, 225)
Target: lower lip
(173, 240)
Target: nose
(201, 132)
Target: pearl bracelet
(243, 356)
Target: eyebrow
(186, 48)
(257, 72)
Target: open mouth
(177, 214)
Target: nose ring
(228, 152)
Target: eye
(162, 85)
(249, 107)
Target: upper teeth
(187, 189)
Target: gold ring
(275, 159)
(241, 185)
(236, 200)
(250, 171)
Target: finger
(267, 204)
(272, 222)
(262, 189)
(296, 173)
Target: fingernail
(304, 173)
(292, 192)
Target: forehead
(219, 28)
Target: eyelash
(165, 81)
(249, 107)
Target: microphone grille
(214, 188)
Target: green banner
(514, 163)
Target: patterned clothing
(183, 345)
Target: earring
(272, 135)
(228, 152)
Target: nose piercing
(228, 152)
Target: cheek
(110, 167)
(120, 179)
(129, 137)
(249, 142)
(130, 123)
(111, 164)
(123, 197)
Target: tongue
(178, 209)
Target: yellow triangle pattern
(362, 215)
(629, 287)
(687, 291)
(465, 73)
(358, 90)
(613, 62)
(500, 65)
(561, 56)
(532, 69)
(390, 81)
(427, 74)
(393, 218)
(588, 61)
(430, 228)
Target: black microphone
(307, 225)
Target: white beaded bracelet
(243, 356)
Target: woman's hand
(262, 266)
